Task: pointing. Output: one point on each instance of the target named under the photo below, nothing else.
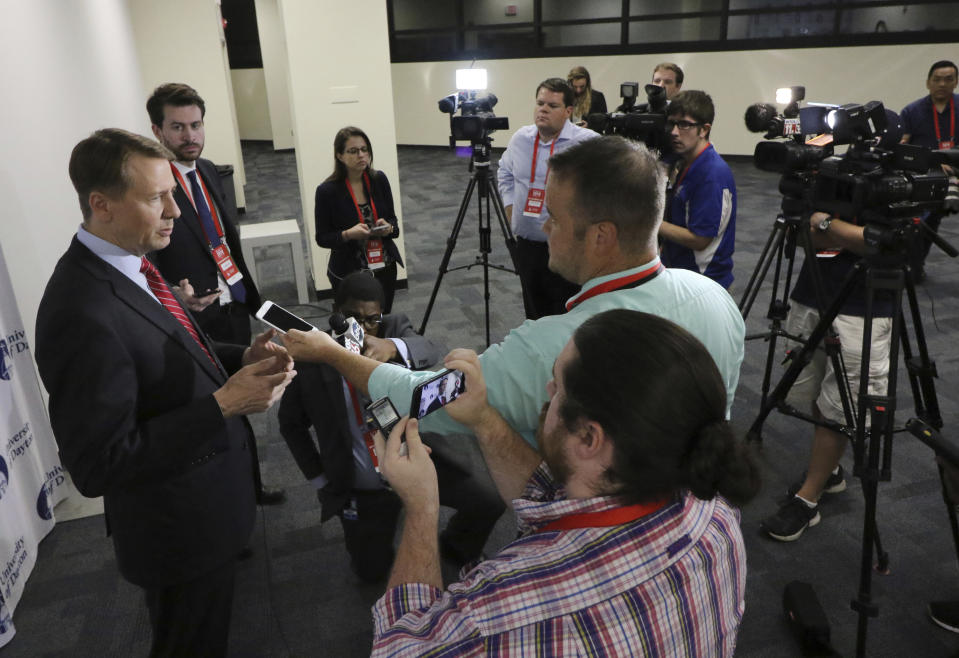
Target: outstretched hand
(263, 347)
(313, 346)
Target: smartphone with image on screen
(437, 392)
(383, 415)
(279, 318)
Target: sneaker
(792, 519)
(835, 484)
(945, 614)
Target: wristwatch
(823, 225)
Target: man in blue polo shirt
(699, 232)
(931, 122)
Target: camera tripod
(885, 270)
(488, 195)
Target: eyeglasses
(366, 320)
(682, 124)
(357, 150)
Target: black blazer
(597, 102)
(315, 398)
(132, 409)
(334, 212)
(188, 254)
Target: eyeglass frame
(366, 321)
(670, 124)
(356, 150)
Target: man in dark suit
(140, 402)
(339, 463)
(204, 255)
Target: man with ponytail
(629, 542)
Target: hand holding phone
(282, 320)
(381, 229)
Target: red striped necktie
(170, 303)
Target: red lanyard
(532, 173)
(369, 194)
(361, 423)
(682, 174)
(209, 201)
(952, 120)
(631, 280)
(604, 519)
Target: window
(436, 30)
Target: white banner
(31, 478)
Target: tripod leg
(773, 246)
(450, 245)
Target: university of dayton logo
(54, 479)
(10, 346)
(6, 363)
(4, 477)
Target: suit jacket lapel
(154, 312)
(188, 218)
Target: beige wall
(276, 72)
(250, 101)
(335, 81)
(892, 74)
(182, 41)
(72, 66)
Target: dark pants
(385, 275)
(544, 292)
(369, 530)
(193, 618)
(469, 490)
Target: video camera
(877, 180)
(476, 119)
(645, 122)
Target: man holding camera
(605, 199)
(699, 232)
(817, 388)
(670, 77)
(931, 122)
(627, 543)
(523, 174)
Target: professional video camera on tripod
(870, 196)
(475, 122)
(645, 122)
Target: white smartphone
(279, 318)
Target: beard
(551, 448)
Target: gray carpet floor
(297, 596)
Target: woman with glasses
(354, 215)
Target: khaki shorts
(817, 381)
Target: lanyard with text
(948, 143)
(536, 196)
(606, 518)
(682, 174)
(361, 423)
(374, 246)
(629, 281)
(210, 224)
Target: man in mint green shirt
(605, 201)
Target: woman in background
(354, 215)
(587, 100)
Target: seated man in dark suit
(339, 463)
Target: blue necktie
(237, 290)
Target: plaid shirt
(668, 584)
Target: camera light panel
(471, 79)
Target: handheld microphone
(347, 332)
